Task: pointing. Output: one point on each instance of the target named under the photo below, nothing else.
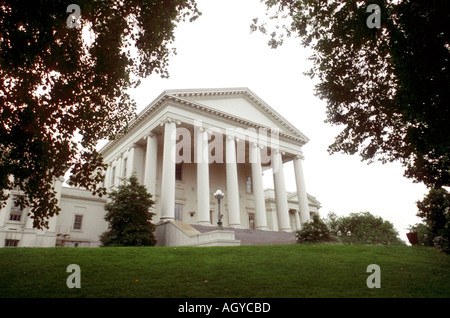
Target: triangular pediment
(292, 196)
(239, 103)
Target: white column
(203, 203)
(130, 162)
(118, 175)
(297, 221)
(168, 172)
(107, 177)
(258, 189)
(301, 190)
(151, 158)
(280, 192)
(234, 215)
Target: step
(254, 237)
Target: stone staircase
(253, 237)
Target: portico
(188, 143)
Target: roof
(292, 196)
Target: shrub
(129, 216)
(315, 231)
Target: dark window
(78, 222)
(178, 172)
(11, 243)
(16, 212)
(249, 185)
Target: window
(78, 222)
(251, 221)
(16, 212)
(178, 170)
(11, 243)
(178, 211)
(248, 185)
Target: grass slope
(288, 271)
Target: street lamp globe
(219, 195)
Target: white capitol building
(183, 147)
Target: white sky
(217, 50)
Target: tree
(434, 210)
(365, 228)
(424, 234)
(65, 88)
(332, 221)
(314, 232)
(129, 216)
(387, 86)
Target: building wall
(80, 202)
(22, 230)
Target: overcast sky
(218, 51)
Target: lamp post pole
(219, 196)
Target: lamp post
(219, 196)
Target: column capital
(299, 156)
(151, 134)
(60, 179)
(169, 120)
(255, 144)
(204, 129)
(278, 151)
(232, 137)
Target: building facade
(183, 147)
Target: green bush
(315, 231)
(129, 217)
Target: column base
(262, 228)
(167, 218)
(207, 223)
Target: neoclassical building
(184, 146)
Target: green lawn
(287, 271)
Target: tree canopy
(388, 87)
(363, 228)
(129, 216)
(65, 88)
(434, 209)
